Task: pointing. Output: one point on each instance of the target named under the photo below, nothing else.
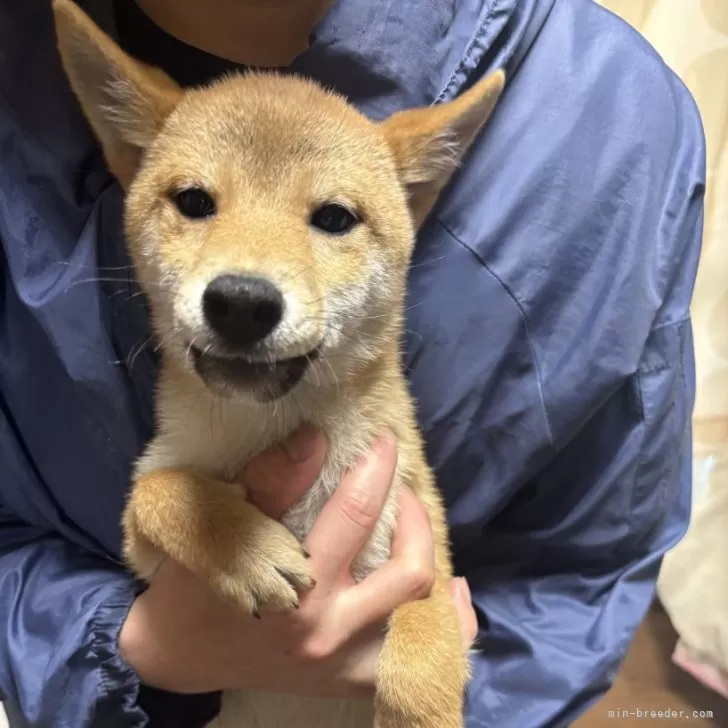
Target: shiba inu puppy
(271, 226)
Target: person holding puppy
(548, 347)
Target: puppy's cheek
(303, 320)
(296, 307)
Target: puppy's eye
(334, 219)
(194, 203)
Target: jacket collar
(386, 55)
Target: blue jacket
(549, 349)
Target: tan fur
(271, 149)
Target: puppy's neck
(374, 393)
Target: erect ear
(429, 143)
(125, 101)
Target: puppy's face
(270, 223)
(269, 228)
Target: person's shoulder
(589, 104)
(590, 169)
(612, 59)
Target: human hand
(179, 636)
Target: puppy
(271, 227)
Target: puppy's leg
(423, 668)
(209, 527)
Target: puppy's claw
(291, 581)
(268, 572)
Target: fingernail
(379, 447)
(388, 439)
(301, 445)
(463, 589)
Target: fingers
(408, 575)
(460, 593)
(348, 519)
(277, 479)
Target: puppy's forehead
(275, 121)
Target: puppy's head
(270, 223)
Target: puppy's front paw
(208, 526)
(423, 666)
(268, 570)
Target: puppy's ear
(125, 101)
(429, 143)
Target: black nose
(242, 310)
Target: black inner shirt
(141, 38)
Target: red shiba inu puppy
(271, 227)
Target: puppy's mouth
(267, 379)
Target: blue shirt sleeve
(61, 610)
(62, 606)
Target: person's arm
(61, 610)
(564, 590)
(62, 607)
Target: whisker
(431, 261)
(128, 298)
(371, 317)
(191, 346)
(315, 301)
(164, 339)
(313, 370)
(69, 264)
(134, 354)
(334, 378)
(304, 269)
(108, 279)
(412, 332)
(275, 410)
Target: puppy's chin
(238, 377)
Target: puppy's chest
(302, 517)
(221, 443)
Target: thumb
(277, 478)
